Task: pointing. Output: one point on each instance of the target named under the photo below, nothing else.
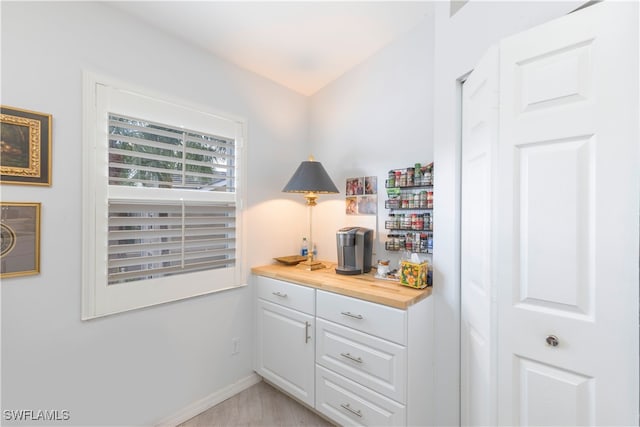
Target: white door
(285, 349)
(568, 221)
(479, 153)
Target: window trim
(100, 299)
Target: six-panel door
(568, 221)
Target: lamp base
(310, 265)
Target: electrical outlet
(235, 345)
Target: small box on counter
(413, 274)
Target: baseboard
(207, 402)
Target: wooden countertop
(362, 286)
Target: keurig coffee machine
(354, 250)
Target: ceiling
(303, 45)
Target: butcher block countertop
(362, 286)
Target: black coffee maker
(354, 250)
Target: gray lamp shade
(310, 177)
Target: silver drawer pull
(350, 409)
(278, 294)
(307, 337)
(355, 316)
(350, 357)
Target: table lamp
(310, 179)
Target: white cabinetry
(363, 344)
(349, 403)
(285, 325)
(378, 364)
(375, 319)
(356, 362)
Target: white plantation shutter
(148, 154)
(162, 219)
(148, 240)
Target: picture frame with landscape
(25, 143)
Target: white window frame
(102, 96)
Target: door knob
(552, 341)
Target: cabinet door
(286, 350)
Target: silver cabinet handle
(350, 357)
(552, 341)
(350, 409)
(278, 294)
(307, 337)
(355, 316)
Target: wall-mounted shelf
(410, 205)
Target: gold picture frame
(25, 144)
(19, 239)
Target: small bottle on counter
(304, 249)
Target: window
(161, 210)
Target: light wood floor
(258, 406)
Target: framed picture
(19, 239)
(362, 195)
(25, 145)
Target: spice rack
(410, 205)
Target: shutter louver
(147, 154)
(149, 240)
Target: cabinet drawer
(375, 319)
(287, 294)
(375, 363)
(348, 403)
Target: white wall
(376, 117)
(137, 367)
(460, 41)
